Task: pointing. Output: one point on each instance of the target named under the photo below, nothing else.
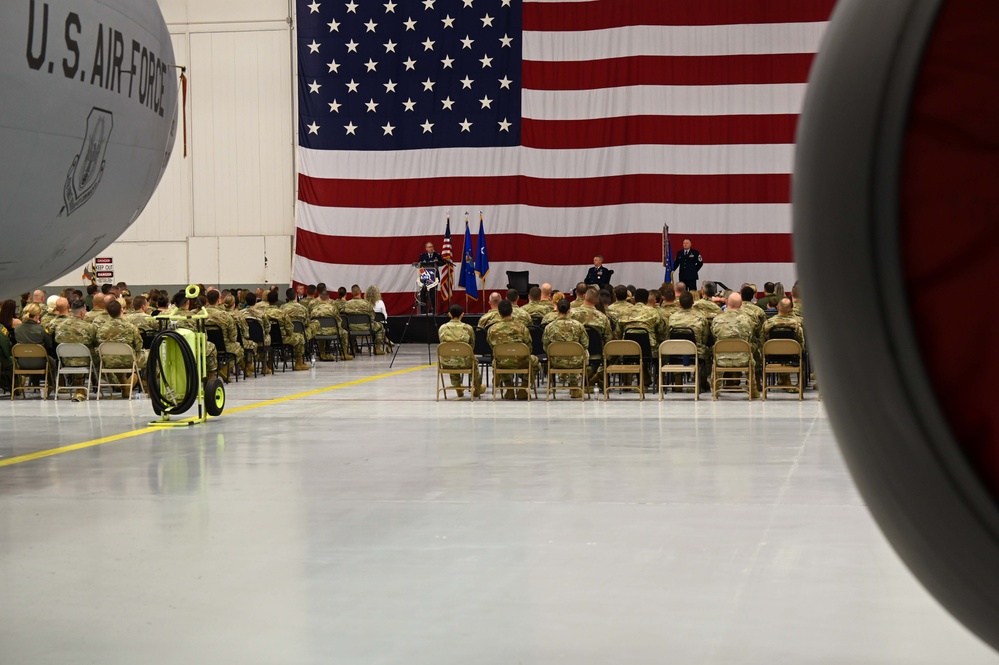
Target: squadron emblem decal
(88, 166)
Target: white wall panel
(203, 260)
(223, 11)
(167, 216)
(241, 260)
(277, 252)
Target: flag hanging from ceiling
(447, 271)
(578, 127)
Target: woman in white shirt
(374, 296)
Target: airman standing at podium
(428, 298)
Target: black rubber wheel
(214, 397)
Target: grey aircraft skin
(88, 117)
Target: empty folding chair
(117, 360)
(616, 354)
(73, 360)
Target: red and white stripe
(636, 114)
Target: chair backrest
(327, 322)
(677, 347)
(149, 335)
(380, 318)
(115, 349)
(732, 345)
(256, 329)
(596, 345)
(216, 337)
(72, 350)
(276, 339)
(622, 347)
(537, 340)
(28, 351)
(482, 347)
(511, 350)
(29, 357)
(782, 332)
(358, 320)
(641, 336)
(781, 347)
(298, 325)
(565, 349)
(683, 333)
(453, 350)
(518, 279)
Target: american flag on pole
(576, 126)
(447, 272)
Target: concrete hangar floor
(340, 515)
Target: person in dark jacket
(688, 262)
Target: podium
(428, 279)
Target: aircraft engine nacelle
(88, 116)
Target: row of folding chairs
(32, 361)
(678, 367)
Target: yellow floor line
(20, 459)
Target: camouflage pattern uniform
(143, 321)
(785, 321)
(328, 308)
(299, 312)
(259, 312)
(591, 317)
(537, 310)
(797, 310)
(119, 330)
(646, 318)
(98, 317)
(667, 311)
(504, 332)
(618, 309)
(47, 317)
(288, 335)
(578, 302)
(362, 306)
(758, 317)
(224, 320)
(456, 331)
(489, 318)
(688, 318)
(567, 330)
(552, 316)
(72, 330)
(708, 308)
(522, 316)
(735, 324)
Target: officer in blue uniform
(598, 275)
(688, 262)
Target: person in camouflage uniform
(706, 305)
(225, 321)
(493, 315)
(119, 330)
(580, 292)
(565, 329)
(359, 306)
(252, 311)
(518, 313)
(76, 330)
(49, 311)
(456, 331)
(785, 318)
(733, 323)
(758, 316)
(686, 318)
(310, 300)
(297, 311)
(796, 307)
(620, 307)
(591, 317)
(139, 316)
(288, 335)
(60, 314)
(98, 315)
(324, 308)
(669, 305)
(504, 331)
(643, 317)
(537, 308)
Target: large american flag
(576, 127)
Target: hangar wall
(226, 213)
